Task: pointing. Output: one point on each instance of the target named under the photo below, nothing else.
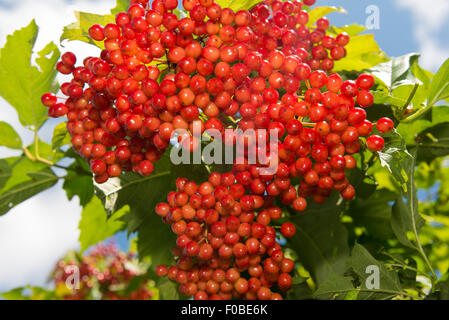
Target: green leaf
(433, 142)
(24, 180)
(61, 136)
(46, 151)
(320, 12)
(334, 287)
(439, 88)
(300, 290)
(149, 241)
(15, 294)
(142, 194)
(79, 180)
(416, 97)
(389, 284)
(9, 137)
(405, 217)
(6, 166)
(351, 30)
(122, 6)
(423, 75)
(396, 158)
(382, 97)
(365, 185)
(363, 53)
(168, 290)
(374, 214)
(21, 83)
(95, 226)
(237, 5)
(409, 131)
(79, 30)
(79, 185)
(321, 239)
(397, 71)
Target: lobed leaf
(22, 83)
(237, 5)
(142, 194)
(439, 88)
(363, 53)
(61, 136)
(23, 180)
(321, 239)
(95, 227)
(397, 71)
(79, 30)
(9, 137)
(389, 284)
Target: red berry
(385, 125)
(375, 143)
(288, 229)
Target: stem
(308, 124)
(371, 160)
(424, 256)
(419, 247)
(36, 151)
(412, 95)
(392, 292)
(418, 113)
(28, 154)
(308, 84)
(403, 266)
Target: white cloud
(428, 21)
(35, 234)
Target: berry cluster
(123, 120)
(259, 69)
(102, 270)
(225, 247)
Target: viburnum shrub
(105, 273)
(263, 66)
(333, 140)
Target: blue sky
(36, 233)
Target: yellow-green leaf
(122, 6)
(9, 137)
(61, 136)
(352, 30)
(79, 30)
(237, 5)
(95, 226)
(22, 83)
(363, 53)
(22, 179)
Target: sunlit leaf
(9, 137)
(21, 82)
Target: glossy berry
(375, 143)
